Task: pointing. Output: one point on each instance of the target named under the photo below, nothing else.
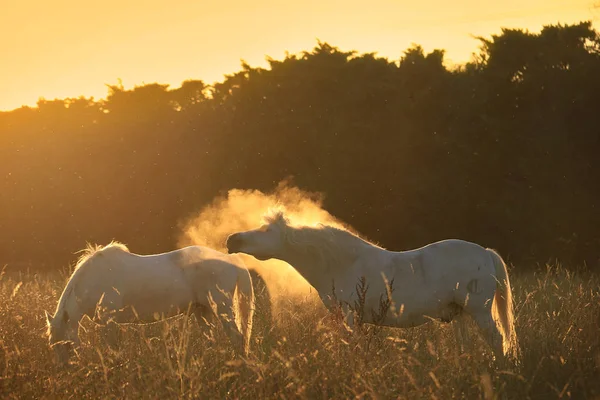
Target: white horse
(111, 284)
(441, 280)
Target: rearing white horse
(111, 284)
(441, 280)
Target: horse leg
(223, 308)
(347, 325)
(246, 309)
(490, 331)
(461, 334)
(112, 331)
(458, 335)
(106, 310)
(348, 316)
(204, 315)
(185, 351)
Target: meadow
(298, 352)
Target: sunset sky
(68, 48)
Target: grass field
(303, 356)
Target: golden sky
(68, 48)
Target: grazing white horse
(441, 280)
(111, 284)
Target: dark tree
(502, 151)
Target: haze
(68, 48)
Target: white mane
(93, 249)
(328, 243)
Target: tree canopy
(502, 150)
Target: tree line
(503, 150)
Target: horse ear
(65, 317)
(48, 317)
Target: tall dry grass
(304, 355)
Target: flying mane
(93, 249)
(329, 243)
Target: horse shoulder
(404, 269)
(96, 269)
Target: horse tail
(246, 305)
(502, 308)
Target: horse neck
(65, 309)
(318, 267)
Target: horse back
(456, 263)
(452, 253)
(206, 269)
(446, 260)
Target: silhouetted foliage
(502, 151)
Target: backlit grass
(304, 355)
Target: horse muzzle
(234, 243)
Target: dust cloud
(242, 210)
